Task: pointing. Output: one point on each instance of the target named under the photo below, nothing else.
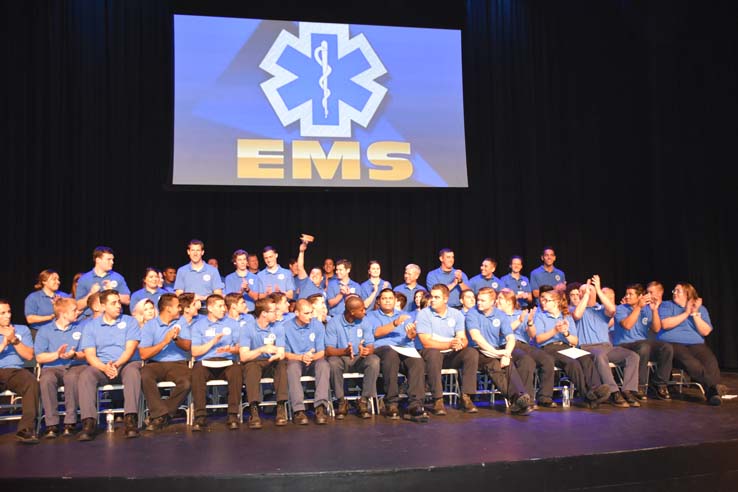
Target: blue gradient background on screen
(218, 100)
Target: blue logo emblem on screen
(324, 79)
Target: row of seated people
(507, 343)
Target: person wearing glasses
(555, 330)
(685, 323)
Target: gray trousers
(604, 353)
(51, 379)
(369, 365)
(320, 369)
(129, 375)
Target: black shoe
(364, 412)
(467, 404)
(26, 436)
(617, 400)
(600, 394)
(640, 395)
(69, 430)
(51, 432)
(392, 412)
(342, 410)
(522, 405)
(439, 408)
(300, 418)
(631, 399)
(281, 418)
(593, 405)
(200, 424)
(254, 420)
(321, 418)
(89, 426)
(547, 402)
(418, 414)
(131, 426)
(662, 392)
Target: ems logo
(323, 78)
(122, 325)
(206, 277)
(280, 276)
(359, 332)
(113, 284)
(495, 285)
(644, 321)
(496, 323)
(76, 335)
(451, 322)
(312, 337)
(558, 278)
(523, 283)
(226, 331)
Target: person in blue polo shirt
(101, 277)
(455, 280)
(547, 274)
(263, 356)
(491, 334)
(486, 277)
(307, 284)
(305, 353)
(340, 288)
(635, 319)
(150, 290)
(61, 360)
(165, 346)
(16, 348)
(685, 323)
(411, 286)
(109, 343)
(518, 283)
(349, 346)
(441, 331)
(215, 347)
(39, 307)
(273, 277)
(169, 274)
(370, 288)
(329, 272)
(242, 280)
(197, 276)
(395, 330)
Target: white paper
(573, 352)
(490, 354)
(407, 351)
(217, 364)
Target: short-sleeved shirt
(410, 295)
(447, 326)
(300, 339)
(87, 280)
(39, 304)
(545, 322)
(518, 285)
(109, 339)
(280, 277)
(521, 332)
(334, 288)
(9, 358)
(478, 281)
(339, 333)
(438, 276)
(50, 337)
(367, 287)
(398, 336)
(145, 294)
(307, 288)
(540, 276)
(594, 326)
(204, 330)
(202, 282)
(639, 331)
(154, 331)
(494, 327)
(685, 332)
(233, 284)
(253, 336)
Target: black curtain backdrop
(606, 129)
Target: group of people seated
(195, 326)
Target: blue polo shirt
(109, 340)
(39, 304)
(685, 332)
(253, 336)
(233, 284)
(300, 339)
(517, 285)
(546, 322)
(410, 295)
(204, 330)
(539, 277)
(478, 281)
(367, 287)
(339, 333)
(50, 337)
(594, 326)
(145, 294)
(9, 358)
(307, 288)
(398, 336)
(640, 329)
(334, 288)
(154, 331)
(87, 280)
(281, 278)
(438, 276)
(493, 327)
(521, 332)
(430, 322)
(202, 282)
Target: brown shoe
(342, 410)
(438, 407)
(281, 418)
(300, 418)
(364, 412)
(254, 420)
(467, 404)
(321, 418)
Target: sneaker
(254, 420)
(438, 407)
(392, 412)
(232, 421)
(88, 430)
(342, 409)
(364, 412)
(281, 418)
(630, 398)
(51, 432)
(522, 405)
(547, 402)
(418, 414)
(26, 436)
(131, 426)
(617, 400)
(321, 418)
(467, 404)
(300, 418)
(200, 424)
(69, 430)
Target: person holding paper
(441, 331)
(215, 347)
(592, 319)
(308, 284)
(349, 346)
(491, 334)
(394, 334)
(454, 279)
(555, 332)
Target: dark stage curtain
(605, 129)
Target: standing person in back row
(197, 276)
(101, 277)
(547, 274)
(454, 279)
(273, 277)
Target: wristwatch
(566, 334)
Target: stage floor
(551, 438)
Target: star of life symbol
(324, 79)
